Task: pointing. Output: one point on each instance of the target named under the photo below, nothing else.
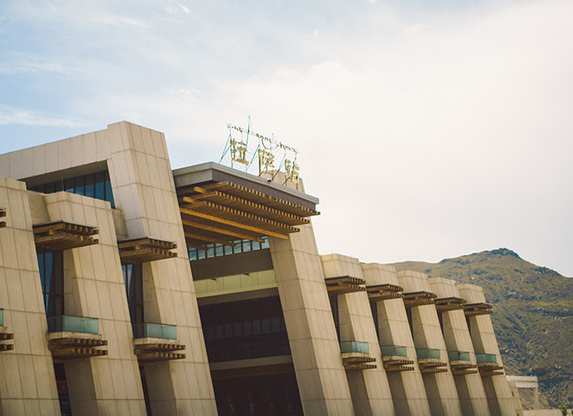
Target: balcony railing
(394, 351)
(428, 354)
(354, 347)
(78, 324)
(149, 330)
(486, 358)
(459, 356)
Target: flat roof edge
(211, 171)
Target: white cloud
(13, 116)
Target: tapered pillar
(312, 335)
(500, 400)
(461, 353)
(368, 386)
(397, 345)
(27, 379)
(430, 345)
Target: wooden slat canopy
(6, 336)
(418, 298)
(384, 292)
(344, 284)
(490, 369)
(149, 351)
(395, 363)
(72, 347)
(63, 235)
(475, 309)
(449, 304)
(358, 361)
(2, 215)
(223, 212)
(463, 367)
(431, 365)
(141, 250)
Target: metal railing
(428, 354)
(354, 346)
(394, 351)
(65, 323)
(149, 330)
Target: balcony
(429, 361)
(384, 292)
(73, 337)
(63, 235)
(412, 299)
(142, 250)
(476, 309)
(5, 335)
(395, 358)
(156, 342)
(460, 363)
(2, 215)
(355, 355)
(344, 284)
(449, 304)
(488, 366)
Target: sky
(428, 129)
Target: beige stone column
(27, 380)
(427, 334)
(500, 400)
(312, 335)
(457, 338)
(407, 387)
(144, 190)
(94, 288)
(369, 388)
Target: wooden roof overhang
(6, 336)
(449, 304)
(475, 309)
(2, 215)
(67, 346)
(151, 349)
(357, 361)
(397, 363)
(490, 369)
(344, 284)
(432, 365)
(141, 250)
(62, 235)
(384, 292)
(221, 205)
(418, 298)
(463, 367)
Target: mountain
(532, 314)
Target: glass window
(89, 188)
(51, 268)
(133, 280)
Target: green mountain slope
(532, 314)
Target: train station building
(129, 288)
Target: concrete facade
(219, 357)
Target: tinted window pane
(89, 189)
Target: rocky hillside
(532, 314)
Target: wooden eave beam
(449, 304)
(243, 205)
(5, 336)
(242, 217)
(418, 298)
(222, 231)
(231, 188)
(209, 239)
(236, 224)
(6, 347)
